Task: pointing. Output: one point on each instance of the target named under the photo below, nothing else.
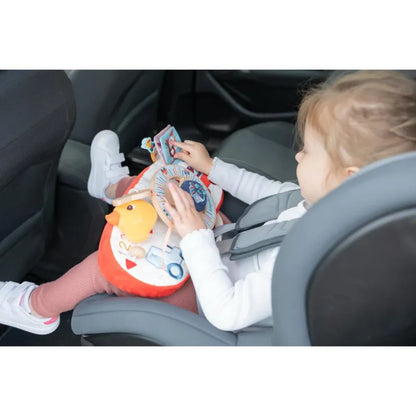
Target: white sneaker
(105, 164)
(15, 310)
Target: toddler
(343, 125)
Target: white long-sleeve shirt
(235, 294)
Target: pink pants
(85, 280)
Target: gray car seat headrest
(376, 208)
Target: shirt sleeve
(228, 306)
(244, 185)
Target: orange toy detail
(136, 252)
(135, 219)
(112, 270)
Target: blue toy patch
(197, 193)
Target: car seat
(37, 112)
(265, 148)
(345, 275)
(123, 101)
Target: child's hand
(194, 154)
(185, 217)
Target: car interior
(354, 283)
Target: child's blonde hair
(362, 116)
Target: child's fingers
(187, 204)
(180, 197)
(175, 143)
(189, 199)
(186, 145)
(183, 156)
(177, 197)
(172, 212)
(186, 198)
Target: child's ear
(352, 169)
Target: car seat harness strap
(248, 236)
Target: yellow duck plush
(135, 219)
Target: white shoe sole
(35, 328)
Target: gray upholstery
(265, 148)
(265, 209)
(37, 113)
(250, 242)
(377, 190)
(257, 237)
(156, 321)
(358, 201)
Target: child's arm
(226, 305)
(244, 185)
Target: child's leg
(85, 280)
(224, 218)
(117, 189)
(36, 309)
(77, 284)
(185, 297)
(123, 184)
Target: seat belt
(249, 235)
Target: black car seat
(123, 101)
(345, 275)
(37, 112)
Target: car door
(227, 100)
